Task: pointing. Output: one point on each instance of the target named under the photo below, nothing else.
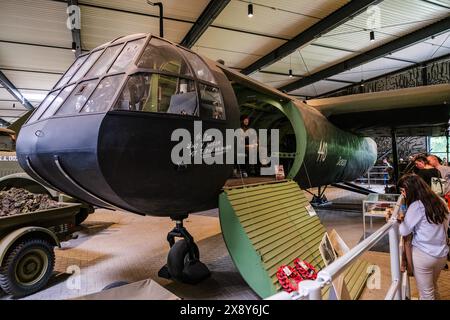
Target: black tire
(81, 216)
(178, 257)
(27, 267)
(115, 285)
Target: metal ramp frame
(267, 225)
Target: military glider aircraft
(103, 134)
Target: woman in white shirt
(427, 219)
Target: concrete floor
(115, 246)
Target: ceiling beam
(12, 117)
(212, 10)
(14, 109)
(373, 54)
(31, 71)
(333, 20)
(9, 86)
(75, 23)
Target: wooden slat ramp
(267, 225)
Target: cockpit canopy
(139, 73)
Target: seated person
(425, 170)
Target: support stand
(320, 199)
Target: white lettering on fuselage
(341, 162)
(322, 152)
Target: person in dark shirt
(425, 170)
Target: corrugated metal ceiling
(174, 9)
(100, 26)
(34, 21)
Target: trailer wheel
(178, 257)
(27, 267)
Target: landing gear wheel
(179, 257)
(28, 267)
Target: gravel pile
(15, 201)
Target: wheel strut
(179, 231)
(183, 262)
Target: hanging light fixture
(74, 46)
(250, 10)
(372, 35)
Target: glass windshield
(200, 68)
(57, 101)
(103, 96)
(85, 67)
(163, 56)
(78, 97)
(71, 71)
(211, 103)
(158, 93)
(104, 61)
(43, 106)
(127, 55)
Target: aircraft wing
(248, 82)
(419, 111)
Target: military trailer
(27, 242)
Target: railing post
(395, 258)
(406, 288)
(311, 289)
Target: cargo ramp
(266, 225)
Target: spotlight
(250, 10)
(290, 73)
(74, 46)
(372, 35)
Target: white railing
(399, 289)
(375, 175)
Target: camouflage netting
(15, 201)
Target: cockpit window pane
(200, 68)
(103, 95)
(57, 101)
(77, 99)
(127, 55)
(40, 110)
(158, 93)
(104, 61)
(211, 104)
(71, 71)
(85, 67)
(163, 56)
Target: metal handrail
(371, 173)
(311, 289)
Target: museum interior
(224, 150)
